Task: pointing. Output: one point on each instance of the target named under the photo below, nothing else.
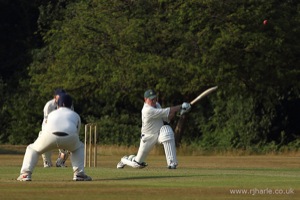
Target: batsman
(50, 106)
(155, 130)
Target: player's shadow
(10, 151)
(145, 177)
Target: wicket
(90, 142)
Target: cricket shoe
(129, 160)
(47, 165)
(24, 177)
(121, 165)
(172, 166)
(140, 165)
(81, 177)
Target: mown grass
(198, 177)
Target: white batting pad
(166, 133)
(47, 157)
(170, 151)
(130, 163)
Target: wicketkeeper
(61, 131)
(154, 130)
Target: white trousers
(47, 155)
(146, 145)
(47, 142)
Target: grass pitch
(197, 177)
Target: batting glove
(185, 108)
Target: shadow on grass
(147, 177)
(8, 151)
(11, 149)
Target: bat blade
(204, 94)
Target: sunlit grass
(197, 177)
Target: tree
(114, 50)
(17, 38)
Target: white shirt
(48, 108)
(63, 120)
(153, 118)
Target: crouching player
(153, 131)
(63, 155)
(60, 131)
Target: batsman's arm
(46, 111)
(173, 111)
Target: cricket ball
(265, 22)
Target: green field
(197, 177)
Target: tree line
(106, 53)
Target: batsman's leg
(166, 137)
(130, 161)
(47, 159)
(146, 144)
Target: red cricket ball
(265, 22)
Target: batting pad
(130, 163)
(170, 151)
(166, 133)
(47, 157)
